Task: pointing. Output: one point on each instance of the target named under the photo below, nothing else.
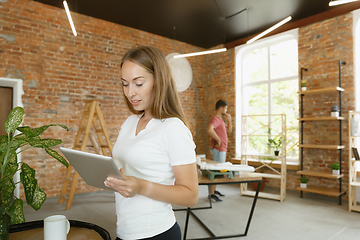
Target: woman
(155, 150)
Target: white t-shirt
(150, 155)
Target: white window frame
(17, 86)
(356, 47)
(356, 39)
(240, 52)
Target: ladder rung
(104, 146)
(68, 179)
(66, 198)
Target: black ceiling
(203, 23)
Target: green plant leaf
(42, 143)
(4, 223)
(37, 131)
(13, 120)
(27, 177)
(3, 139)
(14, 144)
(57, 156)
(39, 198)
(8, 185)
(16, 212)
(8, 188)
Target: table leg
(186, 222)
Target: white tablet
(93, 168)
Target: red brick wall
(221, 76)
(60, 72)
(321, 46)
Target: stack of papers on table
(227, 165)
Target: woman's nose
(131, 92)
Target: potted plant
(303, 182)
(303, 85)
(275, 143)
(335, 110)
(335, 168)
(11, 207)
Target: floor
(312, 217)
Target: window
(267, 83)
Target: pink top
(220, 129)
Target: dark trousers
(174, 233)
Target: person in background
(155, 149)
(218, 130)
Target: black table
(218, 181)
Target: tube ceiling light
(69, 17)
(269, 30)
(338, 2)
(200, 53)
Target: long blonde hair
(165, 102)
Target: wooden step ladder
(91, 121)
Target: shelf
(322, 90)
(355, 184)
(321, 119)
(262, 195)
(322, 190)
(261, 155)
(321, 146)
(355, 208)
(274, 164)
(320, 174)
(267, 175)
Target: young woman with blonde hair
(155, 150)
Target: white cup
(56, 227)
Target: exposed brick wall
(60, 72)
(321, 46)
(221, 77)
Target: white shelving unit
(271, 173)
(354, 185)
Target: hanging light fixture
(269, 30)
(338, 2)
(200, 53)
(69, 17)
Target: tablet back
(93, 168)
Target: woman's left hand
(128, 187)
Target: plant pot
(303, 88)
(255, 185)
(335, 114)
(276, 152)
(335, 172)
(303, 185)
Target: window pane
(285, 100)
(284, 59)
(256, 98)
(255, 67)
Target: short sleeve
(179, 143)
(214, 122)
